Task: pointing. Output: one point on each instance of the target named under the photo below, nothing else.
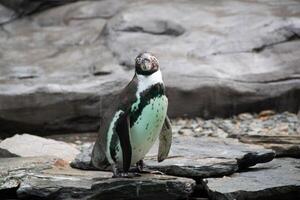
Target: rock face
(59, 68)
(50, 178)
(198, 157)
(29, 145)
(278, 179)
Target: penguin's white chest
(147, 127)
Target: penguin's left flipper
(165, 140)
(123, 131)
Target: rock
(278, 179)
(6, 15)
(195, 49)
(71, 79)
(144, 188)
(60, 68)
(279, 132)
(29, 145)
(197, 157)
(284, 146)
(25, 7)
(6, 154)
(208, 157)
(83, 159)
(40, 178)
(276, 131)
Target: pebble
(265, 123)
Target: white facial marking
(144, 82)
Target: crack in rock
(156, 28)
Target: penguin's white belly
(147, 128)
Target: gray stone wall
(61, 64)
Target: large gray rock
(217, 58)
(208, 157)
(70, 78)
(197, 157)
(50, 178)
(29, 146)
(60, 68)
(278, 179)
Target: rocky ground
(209, 159)
(60, 65)
(62, 62)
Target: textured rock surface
(29, 145)
(198, 157)
(277, 131)
(59, 67)
(278, 179)
(284, 146)
(208, 157)
(6, 15)
(49, 178)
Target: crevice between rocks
(292, 37)
(167, 31)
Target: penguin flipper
(165, 140)
(123, 131)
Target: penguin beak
(146, 65)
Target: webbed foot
(140, 166)
(117, 174)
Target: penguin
(134, 121)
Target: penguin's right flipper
(165, 140)
(123, 131)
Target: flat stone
(278, 179)
(29, 145)
(197, 157)
(49, 178)
(276, 131)
(208, 157)
(284, 146)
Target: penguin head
(146, 64)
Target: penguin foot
(118, 174)
(140, 166)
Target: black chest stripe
(154, 91)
